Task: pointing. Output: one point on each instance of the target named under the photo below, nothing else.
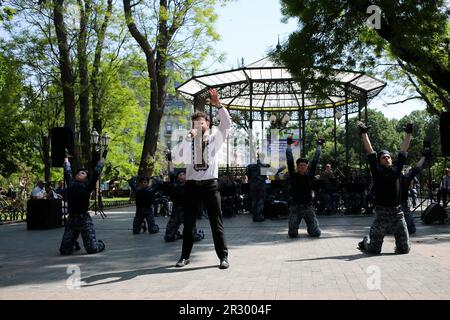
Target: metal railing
(10, 211)
(116, 203)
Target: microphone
(190, 136)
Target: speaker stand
(97, 206)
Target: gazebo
(264, 88)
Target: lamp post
(100, 143)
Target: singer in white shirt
(199, 151)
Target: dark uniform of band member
(177, 194)
(79, 189)
(258, 190)
(301, 182)
(386, 179)
(145, 198)
(406, 180)
(199, 151)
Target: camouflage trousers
(74, 226)
(258, 198)
(174, 223)
(297, 213)
(409, 219)
(147, 215)
(388, 218)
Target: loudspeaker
(434, 212)
(62, 138)
(44, 214)
(445, 133)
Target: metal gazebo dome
(264, 87)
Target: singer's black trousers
(206, 191)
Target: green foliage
(13, 139)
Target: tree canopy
(335, 34)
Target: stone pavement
(265, 263)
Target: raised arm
(68, 172)
(363, 129)
(223, 116)
(96, 175)
(406, 142)
(133, 183)
(290, 157)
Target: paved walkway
(265, 263)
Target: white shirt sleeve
(219, 137)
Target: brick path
(265, 263)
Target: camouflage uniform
(387, 216)
(258, 190)
(392, 218)
(79, 221)
(301, 197)
(297, 213)
(74, 226)
(145, 198)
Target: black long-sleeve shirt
(78, 193)
(386, 181)
(301, 185)
(145, 197)
(177, 194)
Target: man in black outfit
(177, 195)
(199, 152)
(406, 180)
(79, 189)
(145, 199)
(301, 182)
(387, 187)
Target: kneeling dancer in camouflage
(386, 184)
(79, 189)
(300, 183)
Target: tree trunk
(85, 12)
(46, 156)
(65, 66)
(96, 103)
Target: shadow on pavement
(128, 275)
(351, 257)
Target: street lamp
(285, 119)
(273, 119)
(100, 143)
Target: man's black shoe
(182, 263)
(362, 244)
(224, 264)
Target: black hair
(302, 160)
(379, 154)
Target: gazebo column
(251, 124)
(303, 125)
(346, 127)
(334, 131)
